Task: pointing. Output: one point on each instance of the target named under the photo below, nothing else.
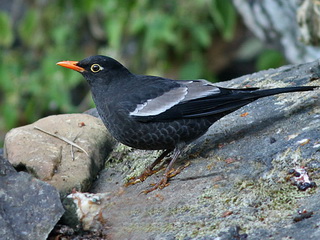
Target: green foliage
(270, 59)
(6, 34)
(224, 17)
(161, 33)
(150, 37)
(192, 69)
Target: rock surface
(237, 183)
(296, 35)
(29, 208)
(56, 161)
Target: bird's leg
(149, 170)
(168, 173)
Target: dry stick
(72, 154)
(63, 139)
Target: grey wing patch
(162, 103)
(199, 89)
(189, 90)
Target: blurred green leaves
(270, 59)
(30, 29)
(6, 33)
(224, 16)
(150, 37)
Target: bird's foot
(160, 185)
(174, 172)
(164, 180)
(148, 172)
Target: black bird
(156, 113)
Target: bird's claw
(160, 185)
(164, 181)
(148, 172)
(174, 172)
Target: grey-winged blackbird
(149, 112)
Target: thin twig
(72, 154)
(63, 139)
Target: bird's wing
(190, 99)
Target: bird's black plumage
(149, 112)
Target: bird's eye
(96, 68)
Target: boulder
(29, 208)
(43, 149)
(66, 151)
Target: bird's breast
(154, 135)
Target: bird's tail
(238, 98)
(274, 91)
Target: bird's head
(97, 69)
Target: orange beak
(72, 65)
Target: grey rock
(275, 23)
(232, 233)
(29, 208)
(93, 112)
(237, 176)
(57, 162)
(54, 160)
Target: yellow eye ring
(95, 68)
